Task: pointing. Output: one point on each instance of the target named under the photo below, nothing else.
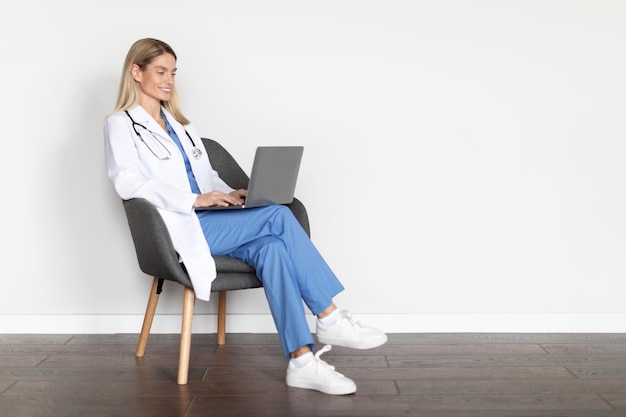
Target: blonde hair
(142, 53)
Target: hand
(218, 198)
(240, 194)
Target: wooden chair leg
(221, 318)
(185, 336)
(147, 319)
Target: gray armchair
(157, 257)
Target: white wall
(463, 165)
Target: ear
(135, 72)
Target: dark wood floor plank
(71, 388)
(123, 361)
(90, 374)
(484, 373)
(589, 349)
(617, 400)
(131, 339)
(159, 338)
(104, 349)
(434, 375)
(5, 385)
(511, 386)
(391, 349)
(597, 372)
(252, 339)
(21, 360)
(249, 349)
(248, 383)
(45, 350)
(382, 405)
(609, 361)
(34, 339)
(96, 406)
(507, 338)
(232, 379)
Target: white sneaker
(320, 376)
(349, 332)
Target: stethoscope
(195, 151)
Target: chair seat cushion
(233, 274)
(228, 264)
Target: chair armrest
(300, 213)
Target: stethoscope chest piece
(196, 152)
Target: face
(157, 79)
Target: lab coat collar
(140, 115)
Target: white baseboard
(262, 323)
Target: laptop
(273, 177)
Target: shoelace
(322, 365)
(353, 322)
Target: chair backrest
(226, 166)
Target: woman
(153, 152)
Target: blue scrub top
(192, 179)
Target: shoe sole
(321, 388)
(370, 344)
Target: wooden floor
(451, 375)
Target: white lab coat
(136, 172)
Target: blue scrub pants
(272, 241)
